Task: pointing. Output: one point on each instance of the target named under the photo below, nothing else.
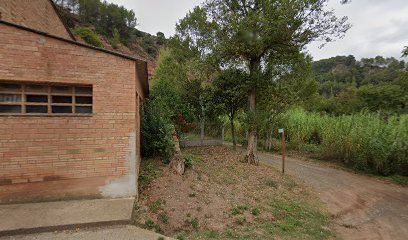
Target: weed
(240, 220)
(149, 224)
(155, 206)
(181, 236)
(256, 211)
(163, 217)
(401, 180)
(195, 224)
(192, 195)
(271, 183)
(239, 210)
(188, 160)
(299, 219)
(211, 234)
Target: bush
(116, 41)
(364, 141)
(157, 139)
(188, 160)
(89, 36)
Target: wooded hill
(345, 84)
(110, 26)
(374, 84)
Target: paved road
(362, 207)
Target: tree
(161, 39)
(383, 97)
(115, 42)
(228, 96)
(405, 52)
(250, 33)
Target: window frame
(24, 92)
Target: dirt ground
(221, 198)
(362, 207)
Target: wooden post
(222, 134)
(283, 151)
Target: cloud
(379, 27)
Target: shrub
(157, 139)
(188, 160)
(116, 41)
(89, 36)
(256, 211)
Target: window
(21, 98)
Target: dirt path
(362, 207)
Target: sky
(380, 27)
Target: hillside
(112, 27)
(348, 85)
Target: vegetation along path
(362, 207)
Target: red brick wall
(47, 148)
(35, 14)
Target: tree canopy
(348, 85)
(253, 34)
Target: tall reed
(365, 141)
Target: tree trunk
(177, 163)
(234, 139)
(255, 70)
(251, 157)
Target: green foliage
(89, 36)
(151, 225)
(401, 180)
(364, 141)
(180, 236)
(405, 52)
(348, 86)
(161, 39)
(163, 217)
(384, 97)
(257, 36)
(188, 160)
(111, 21)
(178, 87)
(115, 42)
(239, 210)
(294, 218)
(156, 133)
(228, 96)
(195, 223)
(256, 211)
(155, 206)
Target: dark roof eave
(145, 83)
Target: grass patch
(163, 217)
(400, 180)
(243, 201)
(256, 211)
(151, 225)
(239, 210)
(155, 206)
(298, 220)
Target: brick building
(69, 112)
